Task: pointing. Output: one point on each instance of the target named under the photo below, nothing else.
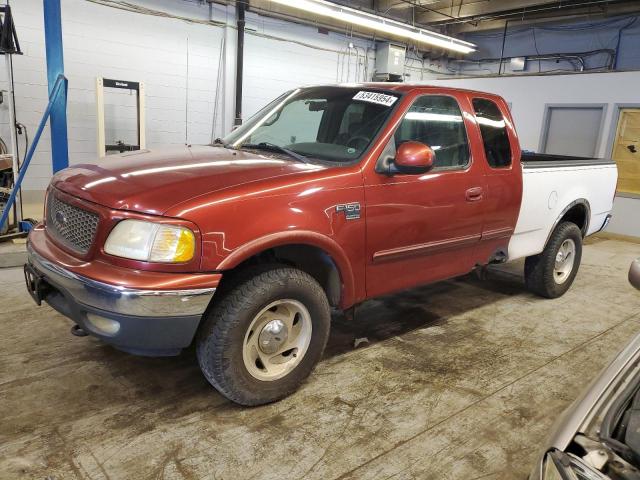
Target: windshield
(335, 124)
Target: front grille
(72, 226)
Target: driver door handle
(474, 194)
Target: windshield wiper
(272, 147)
(219, 141)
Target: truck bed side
(552, 185)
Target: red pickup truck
(328, 196)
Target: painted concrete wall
(273, 66)
(626, 217)
(188, 69)
(529, 95)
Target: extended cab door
(425, 227)
(500, 157)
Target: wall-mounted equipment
(517, 64)
(390, 60)
(119, 145)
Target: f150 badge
(351, 210)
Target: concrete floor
(460, 379)
(13, 252)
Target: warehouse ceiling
(463, 15)
(457, 16)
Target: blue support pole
(55, 68)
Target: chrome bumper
(605, 223)
(123, 300)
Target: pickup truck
(327, 197)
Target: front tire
(551, 273)
(265, 335)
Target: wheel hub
(277, 339)
(565, 260)
(273, 336)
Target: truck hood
(153, 182)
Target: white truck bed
(551, 186)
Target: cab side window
(437, 122)
(493, 129)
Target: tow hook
(77, 331)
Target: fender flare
(580, 201)
(300, 237)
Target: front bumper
(154, 322)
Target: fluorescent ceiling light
(378, 23)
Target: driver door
(423, 228)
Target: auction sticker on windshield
(375, 97)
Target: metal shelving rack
(9, 46)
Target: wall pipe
(504, 40)
(579, 56)
(241, 7)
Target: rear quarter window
(493, 129)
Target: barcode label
(375, 97)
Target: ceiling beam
(577, 14)
(383, 6)
(414, 9)
(476, 8)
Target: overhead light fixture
(378, 23)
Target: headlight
(552, 471)
(151, 242)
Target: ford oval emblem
(60, 218)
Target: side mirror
(413, 158)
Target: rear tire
(551, 273)
(264, 336)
